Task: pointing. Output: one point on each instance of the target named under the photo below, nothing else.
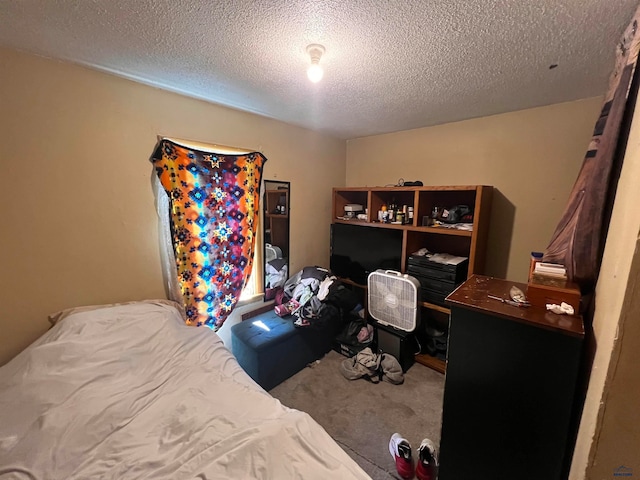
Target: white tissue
(562, 309)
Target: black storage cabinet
(509, 388)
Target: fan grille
(393, 299)
(272, 252)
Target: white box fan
(271, 252)
(393, 299)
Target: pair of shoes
(427, 468)
(400, 450)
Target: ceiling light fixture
(315, 72)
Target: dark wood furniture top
(473, 294)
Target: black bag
(342, 297)
(349, 334)
(457, 214)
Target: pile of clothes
(373, 366)
(275, 274)
(319, 299)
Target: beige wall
(609, 433)
(77, 211)
(531, 157)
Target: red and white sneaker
(427, 468)
(400, 450)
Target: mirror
(276, 235)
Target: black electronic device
(358, 250)
(437, 280)
(423, 265)
(398, 343)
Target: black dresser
(509, 388)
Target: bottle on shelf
(392, 211)
(382, 214)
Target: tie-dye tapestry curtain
(214, 213)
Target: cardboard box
(540, 293)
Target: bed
(129, 391)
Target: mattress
(129, 391)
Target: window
(213, 194)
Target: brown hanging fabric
(578, 240)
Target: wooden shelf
(348, 281)
(431, 362)
(438, 239)
(277, 224)
(435, 307)
(442, 231)
(364, 223)
(409, 227)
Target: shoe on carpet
(400, 450)
(427, 467)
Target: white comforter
(131, 392)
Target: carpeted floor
(361, 416)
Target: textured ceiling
(389, 65)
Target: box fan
(393, 299)
(271, 252)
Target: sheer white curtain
(167, 257)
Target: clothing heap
(318, 299)
(373, 367)
(276, 272)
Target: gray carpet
(361, 416)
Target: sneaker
(401, 452)
(427, 468)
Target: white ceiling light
(315, 72)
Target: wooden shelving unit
(467, 243)
(277, 224)
(431, 362)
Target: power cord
(419, 346)
(403, 183)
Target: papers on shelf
(455, 226)
(446, 258)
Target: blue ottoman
(270, 349)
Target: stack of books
(549, 274)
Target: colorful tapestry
(214, 203)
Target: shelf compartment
(443, 199)
(443, 231)
(400, 197)
(431, 362)
(437, 243)
(345, 197)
